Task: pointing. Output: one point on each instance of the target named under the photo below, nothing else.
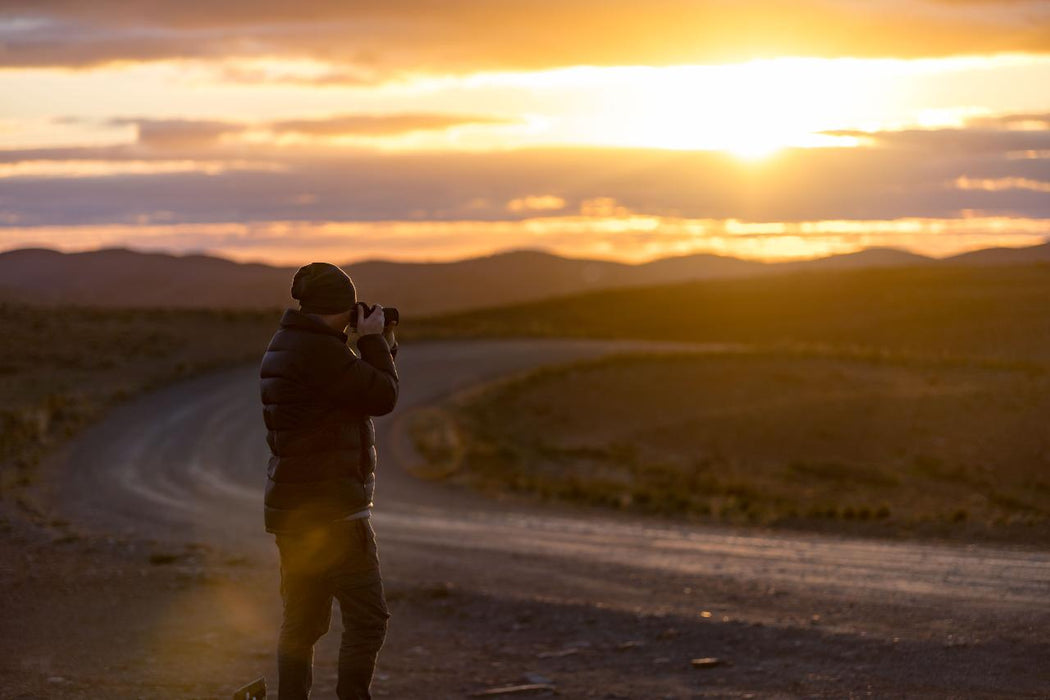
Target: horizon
(310, 131)
(510, 251)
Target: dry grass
(870, 444)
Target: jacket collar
(294, 318)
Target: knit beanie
(323, 288)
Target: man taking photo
(318, 401)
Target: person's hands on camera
(373, 323)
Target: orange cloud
(1001, 183)
(533, 202)
(388, 37)
(378, 124)
(63, 169)
(602, 207)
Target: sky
(421, 130)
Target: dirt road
(484, 591)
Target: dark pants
(339, 561)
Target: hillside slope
(124, 278)
(959, 311)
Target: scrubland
(802, 440)
(905, 401)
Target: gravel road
(187, 465)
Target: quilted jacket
(318, 401)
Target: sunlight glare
(751, 109)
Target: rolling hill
(126, 278)
(950, 312)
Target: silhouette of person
(319, 398)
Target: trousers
(338, 561)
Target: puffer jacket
(318, 398)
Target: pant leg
(307, 598)
(358, 587)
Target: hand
(373, 323)
(389, 332)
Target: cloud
(249, 75)
(325, 184)
(389, 37)
(194, 135)
(936, 190)
(1001, 183)
(378, 124)
(536, 202)
(187, 167)
(946, 141)
(603, 207)
(1011, 121)
(177, 133)
(86, 168)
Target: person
(319, 398)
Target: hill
(946, 310)
(125, 278)
(1005, 256)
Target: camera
(390, 314)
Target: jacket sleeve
(369, 383)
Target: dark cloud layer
(386, 36)
(174, 134)
(1011, 120)
(945, 142)
(912, 174)
(378, 124)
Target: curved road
(187, 464)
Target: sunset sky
(417, 130)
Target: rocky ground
(90, 617)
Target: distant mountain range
(120, 277)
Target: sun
(751, 110)
(755, 150)
(744, 112)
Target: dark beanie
(323, 288)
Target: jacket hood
(294, 318)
